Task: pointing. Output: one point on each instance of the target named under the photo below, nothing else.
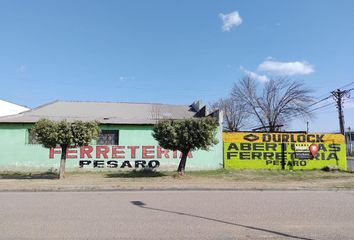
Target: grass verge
(248, 175)
(271, 175)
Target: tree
(65, 134)
(186, 135)
(275, 103)
(234, 113)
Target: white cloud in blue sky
(272, 67)
(125, 78)
(21, 68)
(349, 104)
(285, 68)
(230, 20)
(254, 75)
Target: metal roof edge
(143, 103)
(25, 112)
(15, 104)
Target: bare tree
(235, 115)
(275, 103)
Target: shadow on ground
(135, 174)
(142, 205)
(26, 176)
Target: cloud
(253, 75)
(125, 78)
(285, 68)
(21, 68)
(349, 104)
(230, 20)
(272, 67)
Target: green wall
(17, 154)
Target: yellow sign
(283, 150)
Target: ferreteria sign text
(272, 154)
(118, 156)
(283, 150)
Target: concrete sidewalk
(97, 182)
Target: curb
(180, 189)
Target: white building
(7, 108)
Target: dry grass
(222, 178)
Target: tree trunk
(62, 162)
(182, 163)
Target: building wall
(17, 154)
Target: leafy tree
(275, 103)
(186, 135)
(65, 134)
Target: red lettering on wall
(164, 152)
(180, 155)
(102, 150)
(86, 150)
(147, 151)
(133, 151)
(116, 153)
(52, 151)
(71, 151)
(189, 155)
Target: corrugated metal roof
(104, 112)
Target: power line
(290, 117)
(327, 105)
(324, 99)
(338, 95)
(346, 85)
(311, 110)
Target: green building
(125, 141)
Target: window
(32, 137)
(108, 137)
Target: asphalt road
(177, 215)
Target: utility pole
(338, 97)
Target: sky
(175, 52)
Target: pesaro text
(124, 164)
(118, 156)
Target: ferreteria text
(118, 156)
